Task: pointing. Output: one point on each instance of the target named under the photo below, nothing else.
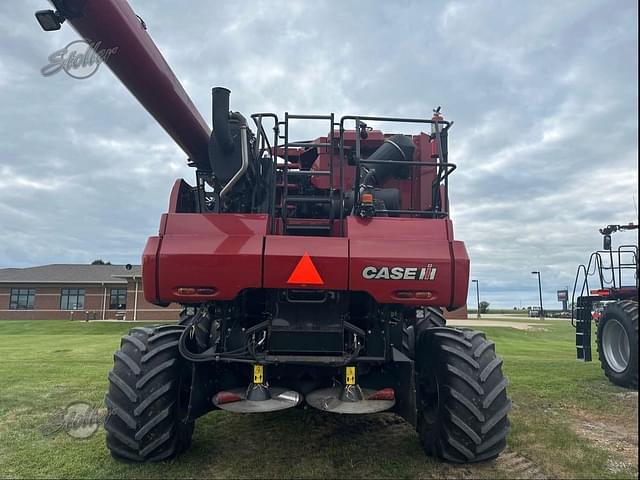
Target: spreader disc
(281, 399)
(328, 400)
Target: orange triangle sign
(305, 272)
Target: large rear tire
(618, 343)
(461, 396)
(146, 398)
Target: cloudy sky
(544, 95)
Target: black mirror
(606, 242)
(128, 266)
(49, 20)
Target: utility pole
(477, 294)
(540, 293)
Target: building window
(22, 298)
(118, 299)
(72, 299)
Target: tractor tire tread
(143, 421)
(470, 423)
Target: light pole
(477, 294)
(540, 292)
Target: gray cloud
(544, 96)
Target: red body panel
(229, 253)
(461, 274)
(221, 252)
(406, 243)
(149, 270)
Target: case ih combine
(615, 276)
(309, 271)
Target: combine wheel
(618, 343)
(146, 399)
(461, 396)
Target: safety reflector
(384, 394)
(226, 397)
(305, 273)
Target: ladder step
(307, 199)
(307, 144)
(309, 227)
(309, 172)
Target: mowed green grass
(45, 365)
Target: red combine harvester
(309, 271)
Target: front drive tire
(146, 398)
(461, 396)
(618, 343)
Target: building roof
(70, 273)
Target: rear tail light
(206, 291)
(424, 295)
(403, 294)
(195, 291)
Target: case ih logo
(400, 273)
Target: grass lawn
(567, 421)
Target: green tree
(484, 307)
(99, 261)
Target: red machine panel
(209, 256)
(404, 260)
(461, 274)
(284, 256)
(149, 270)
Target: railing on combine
(444, 168)
(610, 277)
(280, 144)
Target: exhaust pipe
(220, 105)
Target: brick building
(64, 292)
(80, 292)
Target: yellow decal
(350, 375)
(258, 376)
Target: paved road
(521, 325)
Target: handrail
(262, 135)
(444, 169)
(597, 266)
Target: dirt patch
(518, 465)
(614, 434)
(629, 396)
(392, 428)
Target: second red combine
(309, 271)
